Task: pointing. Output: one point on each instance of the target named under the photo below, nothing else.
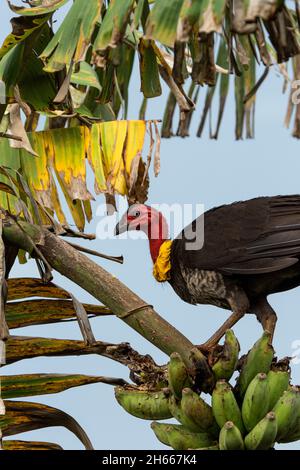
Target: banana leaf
(51, 5)
(79, 25)
(22, 287)
(16, 386)
(21, 66)
(41, 312)
(86, 76)
(24, 347)
(162, 21)
(150, 82)
(22, 27)
(113, 25)
(24, 416)
(29, 445)
(109, 148)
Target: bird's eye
(137, 214)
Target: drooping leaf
(17, 386)
(224, 86)
(123, 75)
(41, 312)
(218, 8)
(22, 27)
(86, 76)
(24, 416)
(79, 25)
(221, 59)
(113, 24)
(162, 21)
(107, 34)
(96, 160)
(22, 288)
(9, 158)
(29, 445)
(69, 150)
(21, 66)
(240, 107)
(49, 7)
(109, 149)
(167, 124)
(190, 14)
(113, 137)
(23, 347)
(150, 82)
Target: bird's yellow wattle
(162, 265)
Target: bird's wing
(257, 236)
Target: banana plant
(82, 70)
(72, 86)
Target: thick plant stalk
(109, 290)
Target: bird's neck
(157, 234)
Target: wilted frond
(113, 149)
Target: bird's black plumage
(251, 249)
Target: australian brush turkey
(251, 249)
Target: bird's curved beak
(121, 227)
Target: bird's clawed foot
(213, 341)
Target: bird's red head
(147, 219)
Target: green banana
(263, 435)
(197, 410)
(225, 407)
(294, 432)
(225, 365)
(178, 377)
(180, 438)
(259, 359)
(182, 418)
(143, 404)
(278, 382)
(161, 432)
(287, 413)
(256, 401)
(230, 437)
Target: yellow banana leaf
(113, 135)
(113, 150)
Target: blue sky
(192, 171)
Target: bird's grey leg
(265, 315)
(239, 304)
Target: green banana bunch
(262, 406)
(256, 401)
(178, 377)
(278, 382)
(226, 364)
(263, 435)
(259, 359)
(287, 411)
(198, 411)
(230, 437)
(225, 407)
(180, 438)
(144, 404)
